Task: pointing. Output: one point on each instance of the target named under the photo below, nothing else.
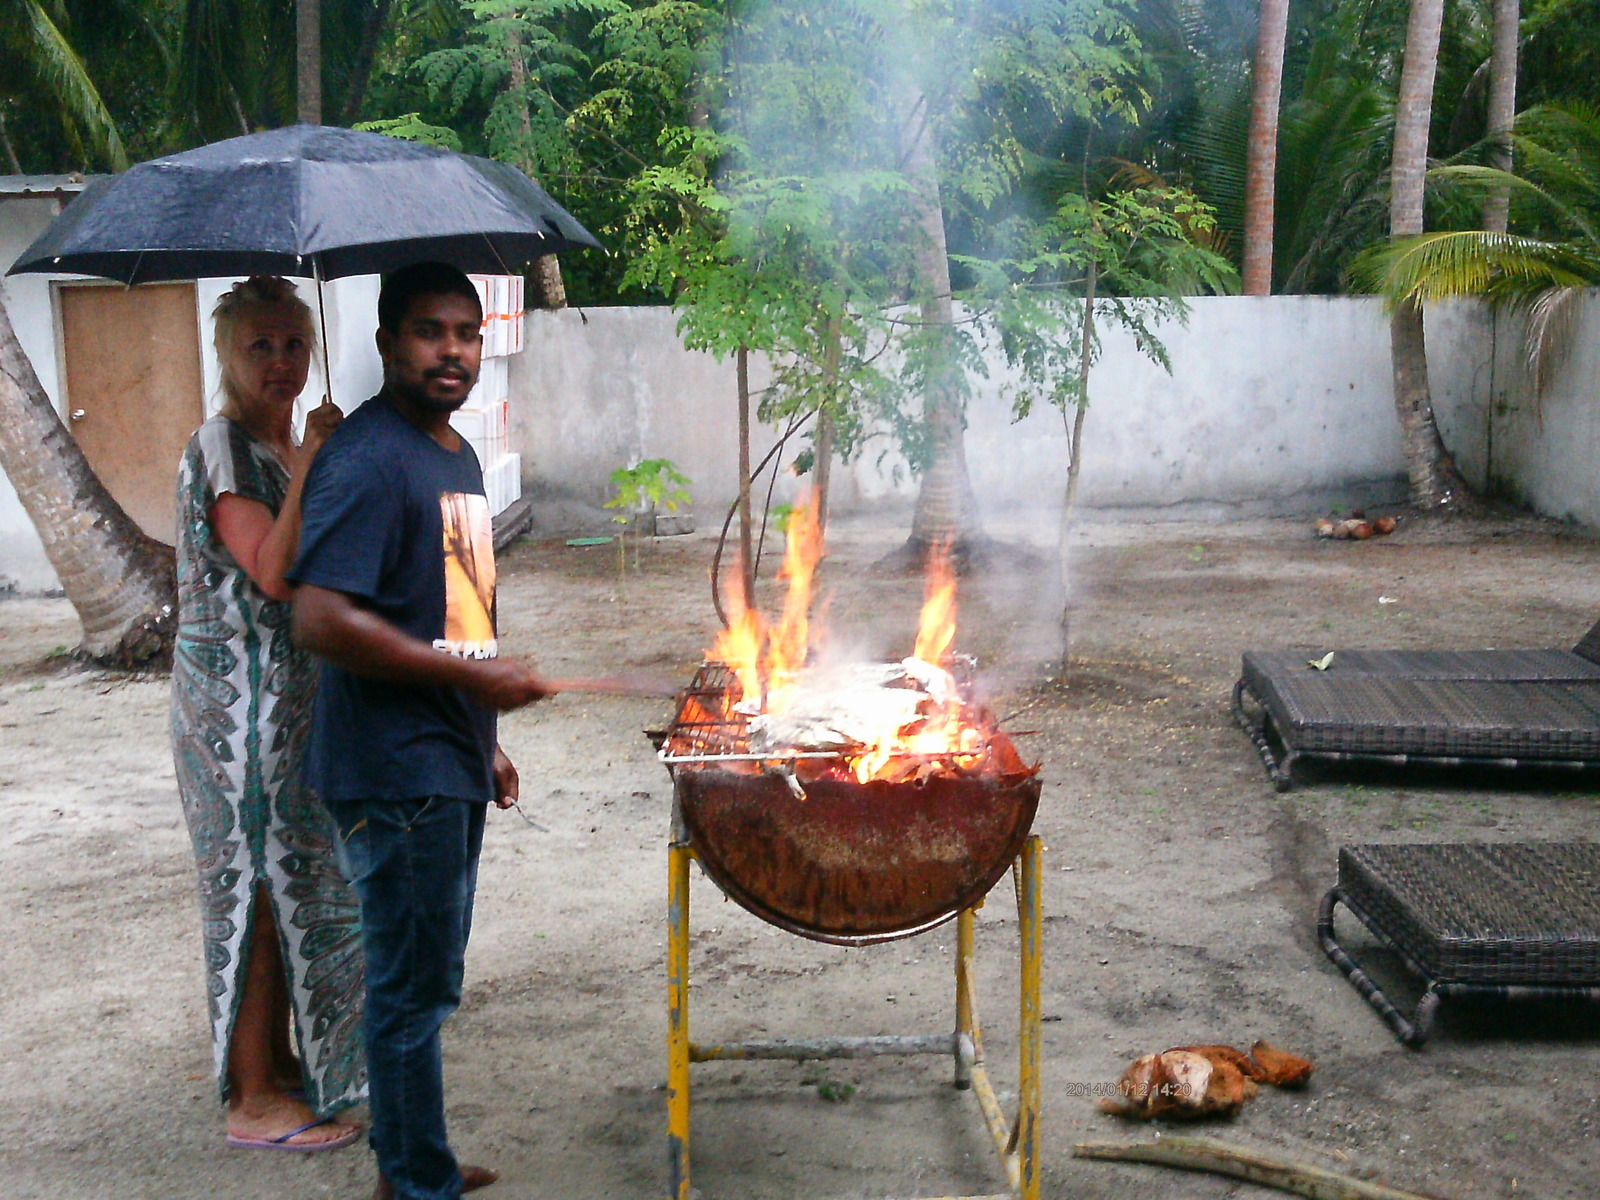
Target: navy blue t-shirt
(395, 520)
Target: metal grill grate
(706, 725)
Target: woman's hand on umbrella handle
(320, 422)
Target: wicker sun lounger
(1450, 707)
(1513, 920)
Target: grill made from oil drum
(831, 858)
(794, 838)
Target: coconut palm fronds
(1505, 269)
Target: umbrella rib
(504, 270)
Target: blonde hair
(251, 295)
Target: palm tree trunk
(1436, 485)
(1413, 112)
(5, 143)
(366, 57)
(946, 509)
(308, 60)
(121, 581)
(1261, 155)
(1502, 106)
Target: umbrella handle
(322, 320)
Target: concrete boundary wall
(1275, 405)
(1278, 404)
(1542, 449)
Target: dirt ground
(1180, 894)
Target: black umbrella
(308, 200)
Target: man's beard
(420, 396)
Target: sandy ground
(1180, 894)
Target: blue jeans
(414, 866)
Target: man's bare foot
(267, 1118)
(472, 1178)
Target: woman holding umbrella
(281, 926)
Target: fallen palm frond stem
(1208, 1154)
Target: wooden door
(131, 369)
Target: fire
(787, 656)
(769, 660)
(927, 730)
(936, 631)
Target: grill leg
(1410, 1032)
(963, 1079)
(678, 855)
(1029, 920)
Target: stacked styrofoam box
(502, 300)
(502, 483)
(485, 419)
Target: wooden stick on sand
(1208, 1154)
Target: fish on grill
(848, 708)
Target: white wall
(23, 564)
(1279, 404)
(1283, 403)
(1545, 449)
(601, 388)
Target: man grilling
(396, 596)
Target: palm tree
(308, 60)
(1556, 195)
(1436, 485)
(236, 74)
(58, 55)
(1502, 106)
(120, 581)
(1262, 158)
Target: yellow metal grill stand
(1016, 1141)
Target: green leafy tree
(575, 92)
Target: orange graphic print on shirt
(468, 577)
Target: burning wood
(888, 721)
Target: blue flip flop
(284, 1141)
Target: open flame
(902, 724)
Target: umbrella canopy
(307, 200)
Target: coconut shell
(1225, 1055)
(1202, 1081)
(1279, 1067)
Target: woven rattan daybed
(1513, 921)
(1503, 708)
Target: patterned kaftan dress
(241, 703)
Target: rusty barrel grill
(792, 835)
